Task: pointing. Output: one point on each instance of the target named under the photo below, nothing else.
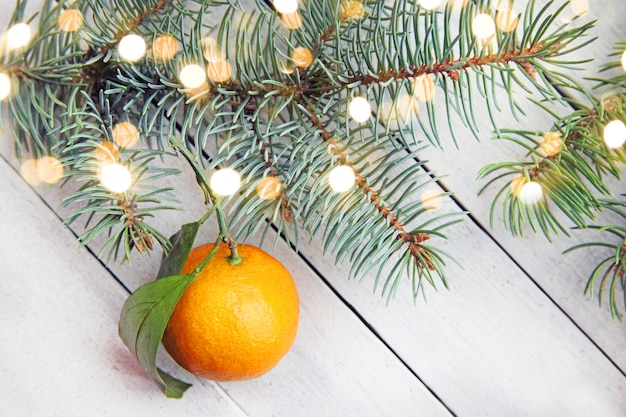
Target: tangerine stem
(209, 257)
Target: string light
(225, 181)
(291, 20)
(165, 47)
(106, 153)
(516, 185)
(125, 134)
(302, 57)
(615, 134)
(132, 47)
(18, 36)
(269, 188)
(70, 20)
(579, 7)
(115, 178)
(5, 86)
(219, 71)
(341, 178)
(286, 67)
(407, 108)
(531, 193)
(429, 4)
(285, 6)
(483, 26)
(552, 143)
(360, 109)
(624, 60)
(192, 76)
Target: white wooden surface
(513, 337)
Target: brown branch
(414, 240)
(452, 67)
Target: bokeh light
(483, 26)
(269, 188)
(531, 193)
(18, 36)
(5, 86)
(49, 169)
(225, 181)
(431, 199)
(360, 109)
(614, 134)
(285, 6)
(429, 4)
(624, 60)
(125, 134)
(291, 20)
(164, 47)
(579, 7)
(132, 47)
(106, 153)
(341, 178)
(192, 76)
(507, 20)
(423, 87)
(115, 177)
(302, 57)
(552, 143)
(352, 10)
(70, 20)
(219, 71)
(211, 50)
(29, 172)
(516, 185)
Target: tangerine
(233, 322)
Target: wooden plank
(337, 366)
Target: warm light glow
(429, 4)
(285, 6)
(531, 193)
(615, 134)
(360, 109)
(506, 20)
(431, 199)
(341, 178)
(115, 178)
(225, 181)
(28, 171)
(624, 60)
(49, 169)
(516, 185)
(106, 153)
(192, 76)
(352, 10)
(125, 134)
(219, 71)
(579, 7)
(407, 108)
(18, 36)
(165, 47)
(132, 47)
(552, 143)
(70, 20)
(269, 188)
(5, 86)
(291, 20)
(483, 26)
(423, 88)
(211, 50)
(302, 57)
(286, 67)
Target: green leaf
(182, 242)
(142, 324)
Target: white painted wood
(494, 345)
(336, 367)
